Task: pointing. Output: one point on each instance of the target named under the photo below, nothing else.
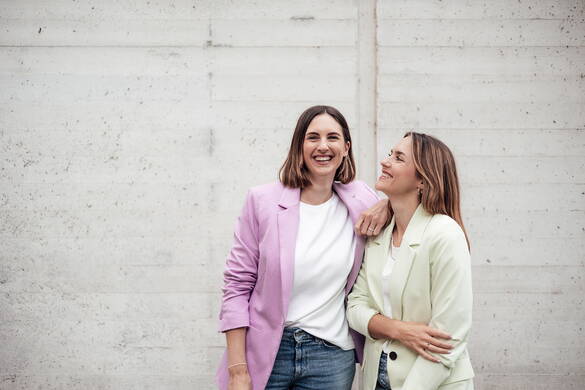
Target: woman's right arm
(415, 335)
(364, 318)
(241, 270)
(240, 276)
(239, 377)
(359, 304)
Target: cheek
(403, 176)
(409, 177)
(397, 171)
(306, 155)
(340, 148)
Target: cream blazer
(430, 283)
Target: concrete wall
(130, 130)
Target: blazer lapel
(354, 206)
(398, 279)
(401, 270)
(377, 253)
(288, 225)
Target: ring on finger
(371, 229)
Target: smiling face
(324, 147)
(399, 176)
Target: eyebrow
(396, 152)
(330, 133)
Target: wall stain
(211, 147)
(302, 18)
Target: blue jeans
(383, 380)
(309, 363)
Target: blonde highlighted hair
(435, 165)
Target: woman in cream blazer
(425, 278)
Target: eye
(397, 157)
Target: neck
(403, 208)
(319, 191)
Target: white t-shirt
(386, 274)
(324, 257)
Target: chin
(380, 186)
(321, 172)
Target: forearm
(239, 376)
(418, 337)
(236, 346)
(382, 327)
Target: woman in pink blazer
(294, 260)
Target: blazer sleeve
(451, 300)
(241, 269)
(359, 303)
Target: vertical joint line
(367, 91)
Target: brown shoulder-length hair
(293, 172)
(435, 165)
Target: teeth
(322, 158)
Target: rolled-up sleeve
(241, 269)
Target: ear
(347, 146)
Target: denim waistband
(298, 335)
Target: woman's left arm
(451, 302)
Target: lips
(385, 175)
(323, 158)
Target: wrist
(395, 330)
(238, 369)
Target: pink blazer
(259, 271)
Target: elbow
(349, 315)
(350, 319)
(235, 289)
(358, 318)
(352, 312)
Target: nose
(323, 144)
(385, 162)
